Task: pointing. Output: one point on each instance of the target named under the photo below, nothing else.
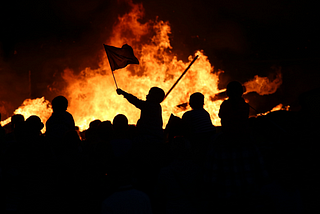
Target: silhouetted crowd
(264, 164)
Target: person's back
(197, 125)
(121, 144)
(60, 121)
(234, 112)
(17, 128)
(197, 121)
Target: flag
(120, 57)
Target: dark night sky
(243, 38)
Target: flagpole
(185, 71)
(124, 55)
(114, 78)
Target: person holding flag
(150, 122)
(150, 138)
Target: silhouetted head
(156, 95)
(234, 89)
(59, 104)
(34, 124)
(94, 124)
(120, 122)
(196, 100)
(91, 134)
(104, 129)
(16, 120)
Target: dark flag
(120, 57)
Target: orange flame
(92, 93)
(276, 108)
(39, 107)
(263, 85)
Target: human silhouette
(60, 121)
(150, 122)
(17, 128)
(27, 159)
(16, 121)
(197, 121)
(121, 143)
(34, 126)
(91, 134)
(70, 172)
(12, 155)
(198, 127)
(150, 137)
(235, 169)
(234, 112)
(120, 123)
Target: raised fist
(119, 91)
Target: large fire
(92, 93)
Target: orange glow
(92, 93)
(40, 107)
(276, 108)
(263, 85)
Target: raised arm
(131, 98)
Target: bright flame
(40, 107)
(92, 93)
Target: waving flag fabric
(120, 57)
